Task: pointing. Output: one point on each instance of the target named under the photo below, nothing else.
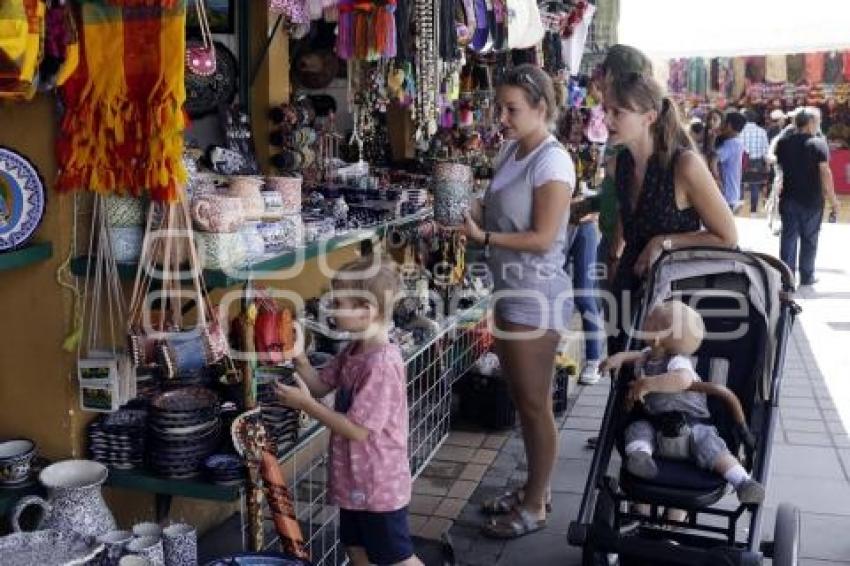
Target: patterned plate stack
(118, 439)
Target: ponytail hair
(640, 92)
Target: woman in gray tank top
(522, 224)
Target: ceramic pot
(180, 542)
(115, 543)
(293, 230)
(135, 560)
(290, 192)
(126, 243)
(147, 529)
(452, 191)
(124, 211)
(16, 460)
(253, 243)
(74, 501)
(148, 547)
(220, 250)
(217, 213)
(273, 205)
(248, 189)
(49, 547)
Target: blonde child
(369, 474)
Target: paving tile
(450, 508)
(825, 496)
(825, 537)
(570, 475)
(434, 528)
(837, 428)
(473, 472)
(484, 456)
(462, 489)
(494, 441)
(586, 411)
(431, 486)
(573, 444)
(564, 509)
(803, 402)
(800, 413)
(539, 548)
(813, 562)
(455, 453)
(469, 439)
(807, 462)
(807, 438)
(416, 522)
(583, 423)
(799, 425)
(443, 469)
(424, 504)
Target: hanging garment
(796, 64)
(448, 41)
(833, 67)
(678, 81)
(755, 69)
(575, 44)
(846, 57)
(697, 76)
(776, 69)
(725, 76)
(739, 76)
(122, 130)
(814, 67)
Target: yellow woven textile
(21, 46)
(122, 132)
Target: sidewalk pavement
(811, 466)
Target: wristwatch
(667, 244)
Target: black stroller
(745, 300)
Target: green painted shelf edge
(217, 278)
(142, 480)
(33, 253)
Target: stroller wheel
(786, 535)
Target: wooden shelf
(217, 278)
(31, 254)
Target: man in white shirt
(755, 141)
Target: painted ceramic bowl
(16, 460)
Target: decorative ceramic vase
(124, 211)
(248, 189)
(217, 213)
(220, 250)
(290, 192)
(452, 189)
(74, 501)
(293, 231)
(16, 460)
(253, 243)
(181, 545)
(116, 543)
(273, 205)
(126, 243)
(148, 547)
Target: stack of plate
(225, 469)
(281, 422)
(118, 439)
(183, 429)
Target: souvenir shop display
(140, 120)
(22, 199)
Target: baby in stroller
(674, 421)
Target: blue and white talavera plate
(21, 199)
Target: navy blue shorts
(385, 536)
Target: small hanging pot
(200, 57)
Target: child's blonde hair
(375, 280)
(685, 327)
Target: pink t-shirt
(372, 475)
